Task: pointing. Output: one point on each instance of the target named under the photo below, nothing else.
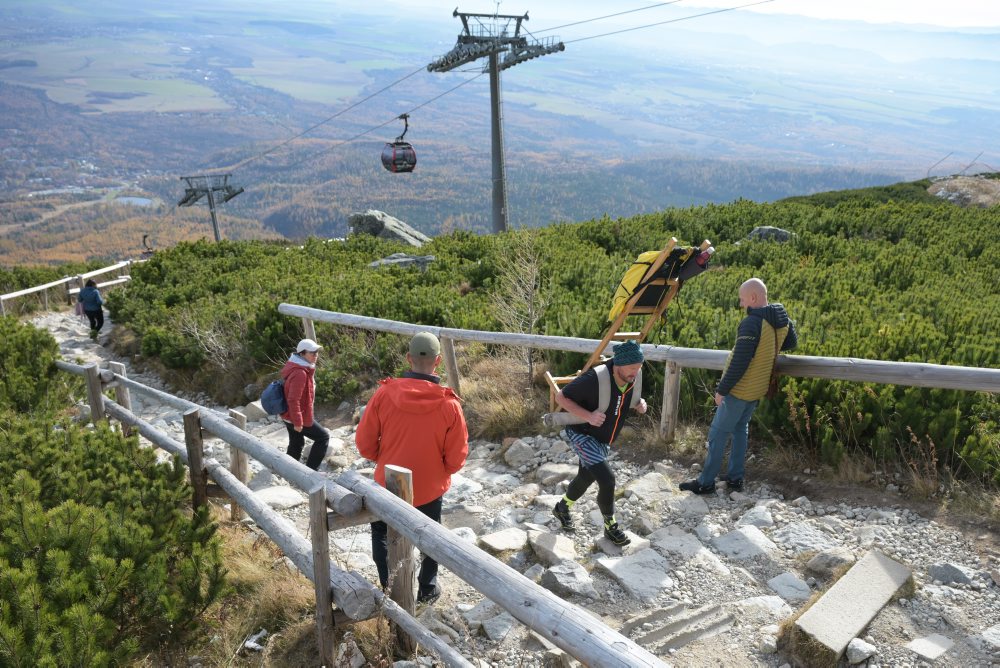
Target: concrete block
(820, 636)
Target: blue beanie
(628, 353)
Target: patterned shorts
(587, 448)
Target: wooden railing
(77, 281)
(675, 359)
(355, 500)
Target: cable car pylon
(490, 36)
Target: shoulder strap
(603, 388)
(636, 390)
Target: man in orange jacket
(415, 423)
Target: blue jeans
(732, 418)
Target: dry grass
(497, 401)
(264, 594)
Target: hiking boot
(429, 595)
(561, 511)
(734, 485)
(697, 487)
(615, 534)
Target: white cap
(307, 346)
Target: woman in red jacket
(300, 393)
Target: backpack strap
(603, 387)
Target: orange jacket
(419, 425)
(300, 391)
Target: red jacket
(300, 391)
(419, 425)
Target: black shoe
(696, 487)
(615, 534)
(429, 595)
(561, 511)
(734, 485)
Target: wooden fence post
(321, 570)
(95, 394)
(193, 441)
(122, 395)
(399, 481)
(239, 464)
(308, 328)
(451, 364)
(671, 400)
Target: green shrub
(98, 557)
(29, 379)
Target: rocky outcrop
(382, 225)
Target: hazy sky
(953, 13)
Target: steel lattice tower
(200, 186)
(491, 36)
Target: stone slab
(931, 647)
(844, 611)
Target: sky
(953, 13)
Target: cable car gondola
(399, 156)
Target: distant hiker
(764, 331)
(591, 440)
(92, 301)
(415, 423)
(300, 393)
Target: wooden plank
(193, 444)
(95, 392)
(567, 626)
(309, 328)
(399, 481)
(321, 573)
(671, 401)
(122, 396)
(916, 374)
(239, 463)
(451, 364)
(341, 500)
(335, 522)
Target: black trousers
(427, 577)
(297, 440)
(96, 319)
(585, 477)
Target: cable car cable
(324, 122)
(599, 18)
(660, 23)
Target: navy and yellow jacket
(748, 369)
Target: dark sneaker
(615, 534)
(697, 487)
(561, 511)
(429, 595)
(734, 485)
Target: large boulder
(382, 225)
(769, 233)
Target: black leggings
(585, 477)
(96, 319)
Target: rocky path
(707, 580)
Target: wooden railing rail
(356, 598)
(915, 374)
(563, 623)
(78, 280)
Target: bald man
(764, 331)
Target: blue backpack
(272, 399)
